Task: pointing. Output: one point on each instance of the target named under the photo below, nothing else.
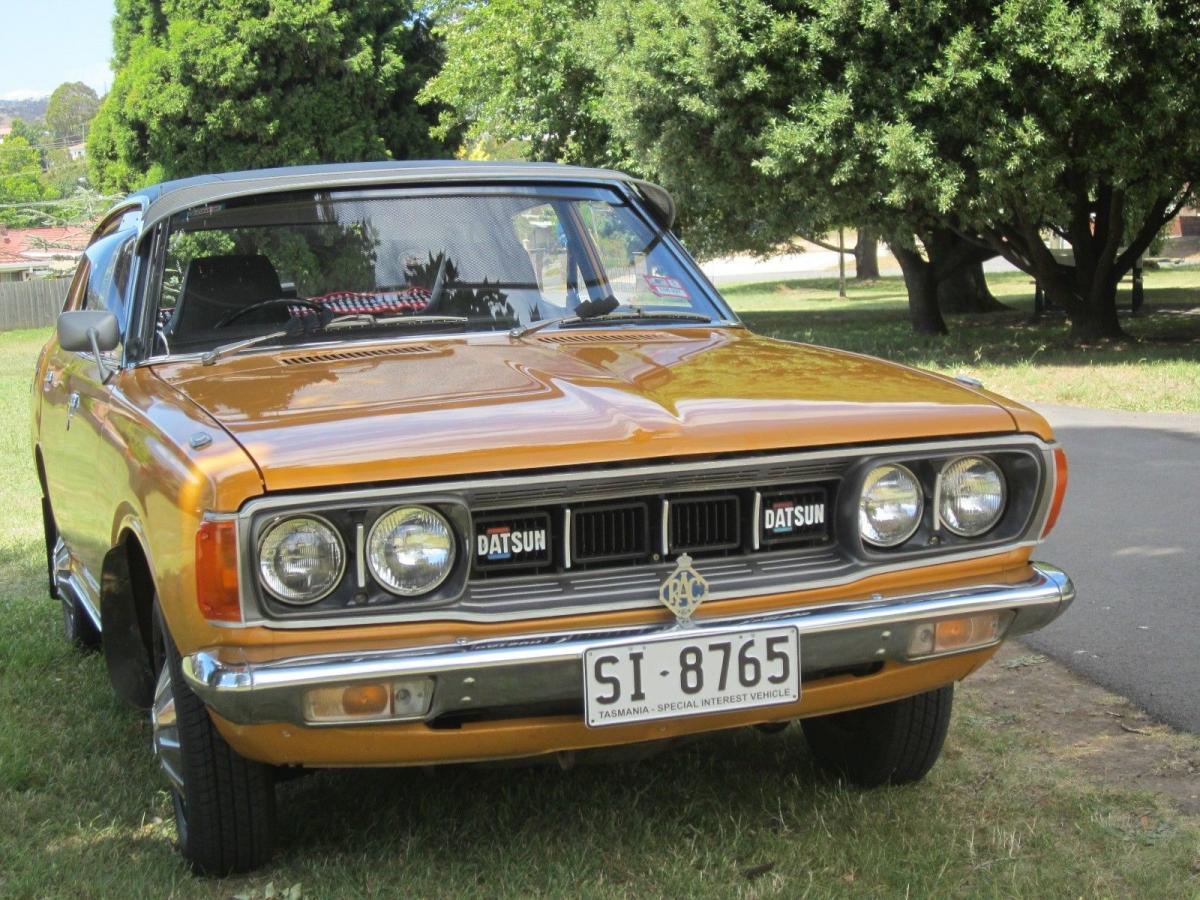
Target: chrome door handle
(72, 405)
(48, 381)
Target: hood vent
(339, 355)
(615, 337)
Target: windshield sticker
(666, 286)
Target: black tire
(894, 743)
(50, 530)
(78, 628)
(225, 810)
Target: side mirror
(96, 330)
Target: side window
(111, 264)
(78, 289)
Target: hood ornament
(683, 590)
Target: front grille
(699, 524)
(611, 533)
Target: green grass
(83, 813)
(1010, 352)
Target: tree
(517, 73)
(70, 109)
(20, 182)
(1002, 122)
(214, 85)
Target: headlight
(971, 495)
(410, 550)
(889, 510)
(301, 559)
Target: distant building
(77, 151)
(1187, 223)
(40, 252)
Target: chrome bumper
(548, 668)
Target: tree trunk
(1094, 318)
(923, 309)
(965, 290)
(866, 255)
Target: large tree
(70, 109)
(211, 85)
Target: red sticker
(666, 286)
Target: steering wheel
(266, 304)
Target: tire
(224, 803)
(78, 628)
(894, 743)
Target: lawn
(83, 812)
(1008, 351)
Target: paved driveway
(1130, 538)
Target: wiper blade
(612, 316)
(213, 355)
(353, 320)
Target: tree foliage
(979, 127)
(212, 85)
(70, 109)
(20, 181)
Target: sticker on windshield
(666, 286)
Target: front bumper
(543, 669)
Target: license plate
(691, 675)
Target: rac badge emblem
(684, 590)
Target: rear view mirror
(96, 330)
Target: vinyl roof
(163, 200)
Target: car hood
(362, 413)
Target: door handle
(48, 381)
(72, 405)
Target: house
(39, 252)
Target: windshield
(362, 263)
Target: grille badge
(683, 590)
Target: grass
(83, 812)
(1010, 352)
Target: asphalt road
(1129, 536)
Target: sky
(46, 42)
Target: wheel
(50, 530)
(78, 627)
(894, 743)
(224, 803)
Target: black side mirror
(96, 330)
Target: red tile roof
(40, 245)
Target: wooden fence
(31, 304)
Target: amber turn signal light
(1060, 489)
(216, 571)
(963, 633)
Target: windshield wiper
(213, 355)
(611, 316)
(357, 319)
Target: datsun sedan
(415, 463)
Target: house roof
(38, 246)
(163, 200)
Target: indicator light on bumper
(953, 635)
(407, 698)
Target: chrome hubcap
(166, 731)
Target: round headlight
(971, 497)
(410, 550)
(301, 559)
(889, 510)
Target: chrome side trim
(547, 667)
(72, 585)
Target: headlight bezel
(369, 540)
(940, 497)
(269, 528)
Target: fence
(31, 304)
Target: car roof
(160, 201)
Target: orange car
(416, 463)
